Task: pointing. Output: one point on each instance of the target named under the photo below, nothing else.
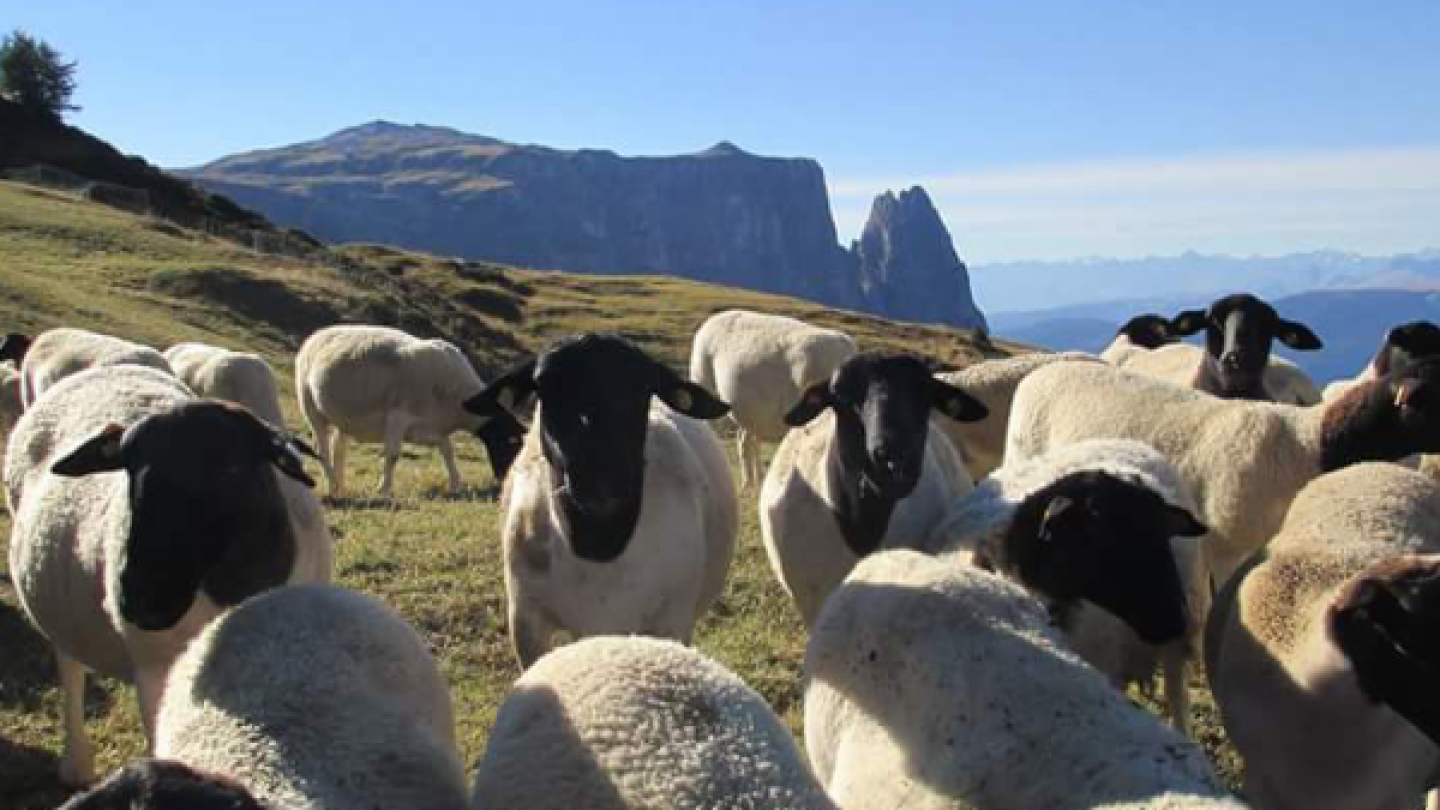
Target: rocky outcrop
(908, 267)
(721, 215)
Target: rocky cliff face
(722, 215)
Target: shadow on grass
(466, 493)
(28, 779)
(27, 669)
(351, 503)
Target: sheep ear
(1183, 524)
(1189, 322)
(812, 403)
(1298, 336)
(691, 399)
(506, 392)
(99, 453)
(285, 452)
(954, 403)
(14, 346)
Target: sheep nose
(1231, 360)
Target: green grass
(436, 559)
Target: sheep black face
(206, 513)
(1239, 330)
(594, 393)
(882, 406)
(1385, 419)
(157, 784)
(1387, 622)
(14, 346)
(1407, 344)
(1097, 537)
(1148, 331)
(503, 436)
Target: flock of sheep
(983, 561)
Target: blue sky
(1042, 129)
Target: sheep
(1321, 653)
(59, 353)
(119, 572)
(1138, 335)
(1101, 531)
(760, 364)
(13, 347)
(866, 468)
(1236, 361)
(1403, 345)
(982, 444)
(242, 378)
(1243, 461)
(9, 397)
(612, 723)
(931, 684)
(376, 384)
(303, 698)
(620, 514)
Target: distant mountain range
(721, 215)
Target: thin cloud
(1378, 200)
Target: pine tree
(33, 75)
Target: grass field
(433, 557)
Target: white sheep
(239, 377)
(302, 698)
(932, 684)
(1236, 362)
(1243, 461)
(1103, 532)
(1283, 381)
(59, 353)
(760, 364)
(377, 384)
(620, 513)
(981, 444)
(1321, 652)
(614, 723)
(1138, 335)
(119, 572)
(865, 469)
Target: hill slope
(434, 558)
(721, 215)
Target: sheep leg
(77, 765)
(394, 438)
(447, 454)
(1177, 692)
(149, 686)
(746, 442)
(338, 446)
(531, 630)
(324, 434)
(1432, 800)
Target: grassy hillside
(435, 558)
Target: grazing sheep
(1138, 335)
(930, 684)
(9, 397)
(866, 469)
(245, 379)
(981, 444)
(13, 347)
(303, 698)
(620, 514)
(119, 572)
(1236, 361)
(1101, 531)
(617, 723)
(1243, 461)
(1322, 652)
(376, 384)
(59, 353)
(760, 364)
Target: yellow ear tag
(1402, 395)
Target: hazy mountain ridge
(721, 215)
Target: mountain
(1032, 285)
(722, 215)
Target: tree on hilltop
(35, 76)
